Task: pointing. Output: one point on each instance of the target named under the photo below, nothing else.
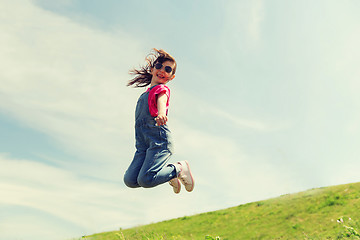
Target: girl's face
(162, 73)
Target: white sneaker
(185, 176)
(175, 183)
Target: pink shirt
(153, 95)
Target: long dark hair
(143, 74)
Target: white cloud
(244, 22)
(61, 195)
(237, 121)
(67, 80)
(255, 20)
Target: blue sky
(264, 103)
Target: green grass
(313, 214)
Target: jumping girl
(150, 166)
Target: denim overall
(149, 167)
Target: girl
(150, 167)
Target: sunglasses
(168, 69)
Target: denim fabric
(149, 167)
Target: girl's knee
(131, 183)
(146, 181)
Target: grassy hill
(323, 213)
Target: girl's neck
(154, 84)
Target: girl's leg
(155, 169)
(132, 173)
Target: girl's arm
(161, 119)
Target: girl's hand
(161, 119)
